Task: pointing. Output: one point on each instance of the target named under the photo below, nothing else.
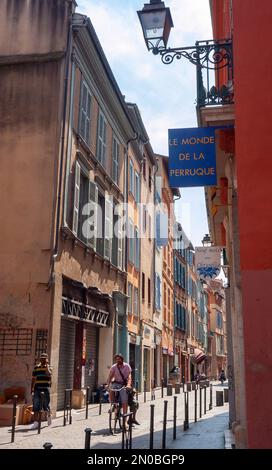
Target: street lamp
(206, 242)
(156, 22)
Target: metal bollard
(40, 412)
(226, 395)
(169, 390)
(47, 445)
(87, 402)
(211, 400)
(65, 406)
(15, 398)
(177, 388)
(144, 391)
(162, 384)
(100, 402)
(153, 396)
(200, 402)
(195, 405)
(186, 411)
(88, 432)
(70, 407)
(151, 438)
(175, 419)
(164, 424)
(219, 398)
(205, 398)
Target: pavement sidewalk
(208, 432)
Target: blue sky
(165, 94)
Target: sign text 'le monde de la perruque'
(192, 157)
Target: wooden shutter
(92, 221)
(76, 198)
(108, 225)
(120, 242)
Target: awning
(198, 356)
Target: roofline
(105, 63)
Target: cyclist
(120, 376)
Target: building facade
(238, 207)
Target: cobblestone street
(208, 432)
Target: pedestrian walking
(41, 382)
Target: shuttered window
(85, 113)
(76, 198)
(108, 225)
(115, 160)
(101, 139)
(92, 220)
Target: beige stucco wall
(30, 130)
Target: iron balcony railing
(214, 61)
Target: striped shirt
(42, 376)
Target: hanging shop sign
(208, 261)
(192, 157)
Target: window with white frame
(85, 113)
(115, 160)
(101, 139)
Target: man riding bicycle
(120, 376)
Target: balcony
(214, 73)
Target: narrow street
(207, 433)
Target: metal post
(162, 383)
(47, 445)
(130, 433)
(65, 406)
(70, 407)
(200, 401)
(88, 432)
(205, 398)
(15, 398)
(151, 438)
(186, 419)
(164, 424)
(175, 419)
(144, 391)
(100, 402)
(87, 402)
(40, 412)
(195, 405)
(211, 390)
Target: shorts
(123, 395)
(37, 399)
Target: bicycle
(115, 411)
